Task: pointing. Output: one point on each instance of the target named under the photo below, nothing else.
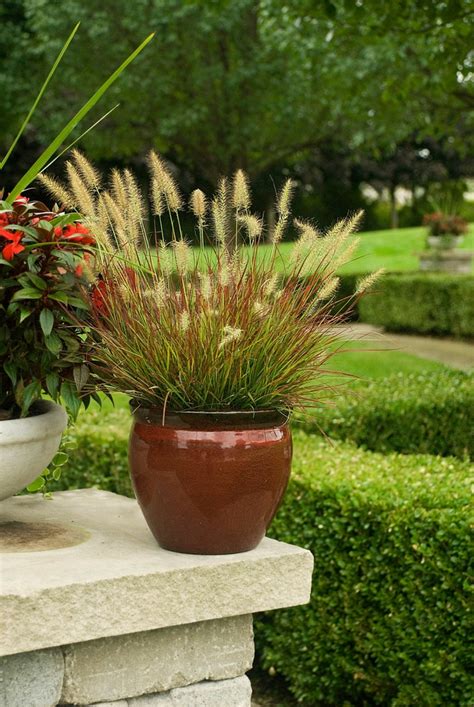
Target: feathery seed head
(164, 260)
(366, 283)
(161, 292)
(198, 204)
(271, 285)
(184, 320)
(206, 285)
(230, 334)
(157, 198)
(164, 181)
(224, 274)
(80, 191)
(182, 253)
(119, 189)
(329, 288)
(88, 171)
(252, 224)
(219, 220)
(284, 198)
(57, 191)
(240, 191)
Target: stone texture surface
(119, 581)
(223, 693)
(31, 679)
(156, 661)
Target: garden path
(458, 354)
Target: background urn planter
(445, 242)
(209, 483)
(27, 446)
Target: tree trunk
(393, 209)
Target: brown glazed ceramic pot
(209, 483)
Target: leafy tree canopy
(247, 83)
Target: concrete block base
(113, 620)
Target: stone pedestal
(449, 261)
(95, 612)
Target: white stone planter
(28, 445)
(445, 242)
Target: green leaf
(46, 321)
(24, 314)
(37, 281)
(58, 296)
(36, 485)
(10, 369)
(69, 396)
(53, 343)
(31, 393)
(81, 376)
(52, 384)
(76, 302)
(59, 459)
(32, 173)
(26, 293)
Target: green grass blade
(34, 170)
(40, 95)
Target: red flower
(20, 200)
(14, 246)
(79, 270)
(76, 233)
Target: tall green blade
(34, 170)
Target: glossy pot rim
(220, 419)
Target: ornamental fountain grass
(215, 351)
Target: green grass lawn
(396, 250)
(365, 360)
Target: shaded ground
(458, 354)
(270, 692)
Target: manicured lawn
(396, 250)
(364, 360)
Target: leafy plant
(209, 331)
(440, 224)
(43, 267)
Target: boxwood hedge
(429, 413)
(388, 622)
(424, 303)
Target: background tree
(258, 84)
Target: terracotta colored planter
(209, 483)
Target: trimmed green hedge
(422, 303)
(430, 413)
(388, 622)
